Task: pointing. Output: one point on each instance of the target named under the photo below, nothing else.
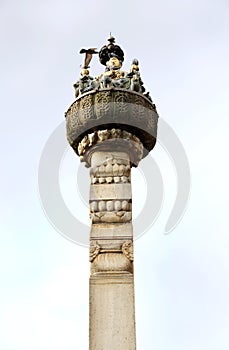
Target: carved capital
(111, 140)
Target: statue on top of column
(112, 56)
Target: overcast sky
(181, 279)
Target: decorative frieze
(110, 205)
(110, 179)
(112, 167)
(111, 217)
(111, 171)
(116, 108)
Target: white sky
(181, 279)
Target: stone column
(112, 311)
(111, 130)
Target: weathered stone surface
(112, 167)
(110, 205)
(112, 319)
(110, 191)
(111, 217)
(112, 315)
(111, 231)
(113, 108)
(114, 261)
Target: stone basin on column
(112, 108)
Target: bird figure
(88, 56)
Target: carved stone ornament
(111, 216)
(110, 205)
(113, 170)
(107, 109)
(112, 262)
(128, 250)
(111, 139)
(94, 250)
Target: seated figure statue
(113, 76)
(136, 81)
(112, 57)
(84, 84)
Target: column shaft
(112, 311)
